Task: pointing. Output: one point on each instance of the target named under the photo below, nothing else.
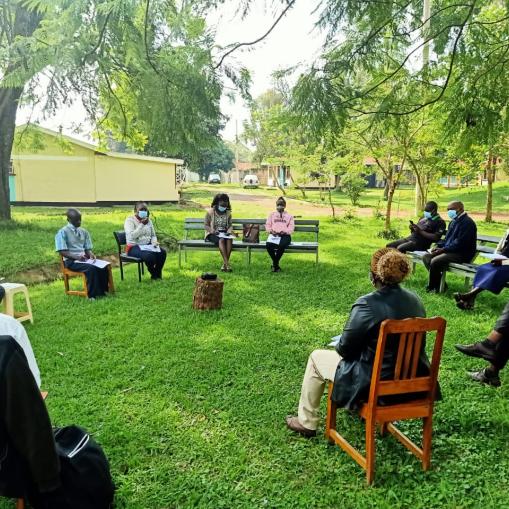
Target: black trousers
(153, 261)
(502, 350)
(438, 264)
(276, 251)
(408, 244)
(97, 279)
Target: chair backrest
(121, 239)
(412, 334)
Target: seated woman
(350, 366)
(491, 276)
(280, 225)
(219, 229)
(140, 232)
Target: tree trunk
(276, 180)
(208, 294)
(490, 172)
(8, 108)
(301, 189)
(332, 205)
(24, 25)
(390, 195)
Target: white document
(151, 248)
(493, 256)
(274, 239)
(420, 253)
(98, 263)
(223, 235)
(335, 341)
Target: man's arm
(466, 233)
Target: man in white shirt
(11, 327)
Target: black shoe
(429, 289)
(485, 377)
(483, 349)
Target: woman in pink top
(279, 226)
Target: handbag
(251, 233)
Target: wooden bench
(465, 270)
(195, 225)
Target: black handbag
(85, 471)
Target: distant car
(251, 181)
(214, 178)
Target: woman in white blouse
(142, 241)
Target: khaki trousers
(321, 369)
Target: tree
(217, 158)
(144, 70)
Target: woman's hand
(497, 263)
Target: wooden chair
(68, 273)
(124, 258)
(411, 333)
(20, 503)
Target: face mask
(428, 215)
(452, 214)
(142, 214)
(280, 209)
(221, 209)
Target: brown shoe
(293, 423)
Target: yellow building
(57, 169)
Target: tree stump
(208, 294)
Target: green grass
(189, 406)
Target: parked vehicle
(251, 181)
(214, 178)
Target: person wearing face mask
(280, 226)
(218, 223)
(492, 276)
(139, 231)
(459, 245)
(430, 228)
(75, 245)
(350, 365)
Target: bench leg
(414, 266)
(316, 260)
(468, 283)
(180, 257)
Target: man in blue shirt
(459, 245)
(75, 245)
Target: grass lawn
(189, 406)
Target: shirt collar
(72, 227)
(461, 215)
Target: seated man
(29, 465)
(429, 229)
(494, 349)
(9, 326)
(350, 366)
(75, 245)
(459, 245)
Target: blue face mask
(221, 209)
(428, 215)
(142, 214)
(452, 214)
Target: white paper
(274, 239)
(151, 248)
(98, 263)
(420, 253)
(493, 256)
(223, 235)
(335, 341)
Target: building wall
(122, 179)
(54, 175)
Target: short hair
(2, 293)
(138, 203)
(281, 200)
(221, 197)
(390, 266)
(433, 204)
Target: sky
(295, 40)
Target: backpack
(85, 471)
(251, 233)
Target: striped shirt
(72, 239)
